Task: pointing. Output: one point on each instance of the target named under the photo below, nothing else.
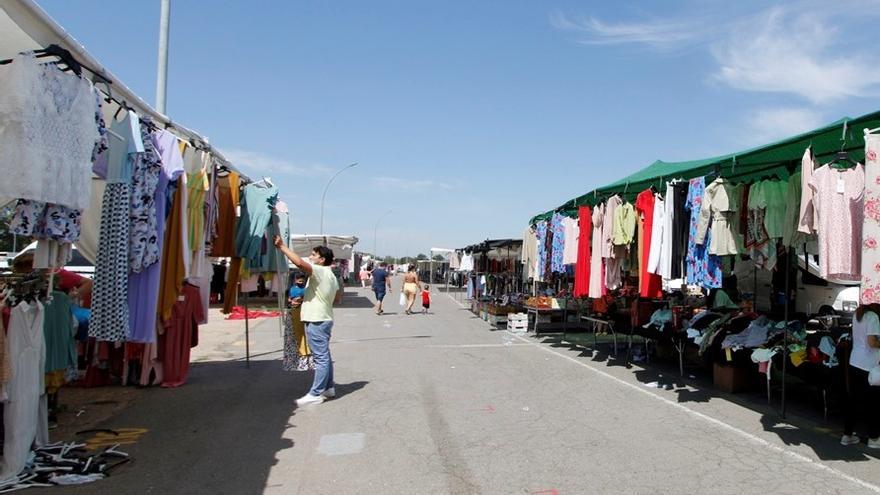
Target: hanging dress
(25, 416)
(297, 355)
(582, 268)
(870, 293)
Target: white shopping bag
(402, 299)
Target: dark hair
(412, 268)
(324, 252)
(383, 264)
(866, 308)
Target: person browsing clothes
(322, 291)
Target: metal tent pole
(785, 332)
(247, 331)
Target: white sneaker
(852, 440)
(874, 443)
(309, 399)
(329, 393)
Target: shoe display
(329, 393)
(309, 399)
(850, 440)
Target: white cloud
(795, 49)
(769, 124)
(796, 54)
(658, 32)
(255, 161)
(411, 184)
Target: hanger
(842, 161)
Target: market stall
(677, 242)
(89, 164)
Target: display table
(548, 313)
(596, 325)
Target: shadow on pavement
(803, 425)
(353, 300)
(219, 433)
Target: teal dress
(59, 332)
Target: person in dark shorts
(381, 285)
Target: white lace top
(47, 133)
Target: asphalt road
(441, 404)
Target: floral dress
(557, 261)
(870, 293)
(541, 235)
(703, 269)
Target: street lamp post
(343, 169)
(376, 231)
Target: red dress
(582, 266)
(650, 284)
(180, 332)
(426, 298)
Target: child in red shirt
(426, 299)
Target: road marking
(457, 346)
(711, 420)
(341, 444)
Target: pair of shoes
(330, 393)
(874, 443)
(309, 399)
(851, 440)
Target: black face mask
(301, 285)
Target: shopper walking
(364, 275)
(865, 355)
(322, 292)
(411, 287)
(381, 283)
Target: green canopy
(780, 158)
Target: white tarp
(341, 245)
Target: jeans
(318, 335)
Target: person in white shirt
(322, 292)
(860, 395)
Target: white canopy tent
(445, 252)
(341, 245)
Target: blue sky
(467, 118)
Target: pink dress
(870, 293)
(838, 201)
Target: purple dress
(143, 287)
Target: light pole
(376, 230)
(162, 76)
(343, 169)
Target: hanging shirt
(719, 205)
(48, 134)
(790, 235)
(597, 279)
(258, 200)
(624, 225)
(570, 250)
(657, 235)
(807, 218)
(665, 268)
(529, 254)
(838, 199)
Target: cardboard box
(729, 378)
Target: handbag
(874, 376)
